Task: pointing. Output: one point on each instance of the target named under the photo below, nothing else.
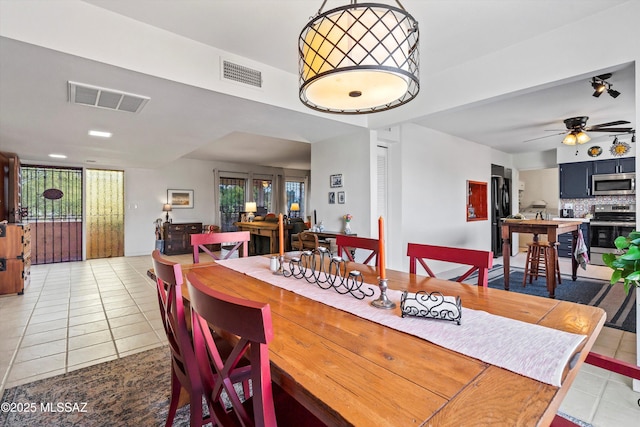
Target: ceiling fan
(577, 129)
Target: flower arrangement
(347, 227)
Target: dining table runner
(531, 350)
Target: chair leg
(538, 251)
(527, 265)
(195, 409)
(174, 398)
(558, 266)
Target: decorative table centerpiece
(347, 223)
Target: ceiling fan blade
(601, 125)
(610, 130)
(546, 136)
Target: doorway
(232, 198)
(105, 213)
(52, 205)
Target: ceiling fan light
(570, 139)
(582, 137)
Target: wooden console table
(552, 229)
(323, 236)
(267, 229)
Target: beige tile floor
(78, 314)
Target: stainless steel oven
(609, 222)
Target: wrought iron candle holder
(433, 305)
(319, 267)
(383, 300)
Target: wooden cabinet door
(627, 164)
(605, 166)
(575, 180)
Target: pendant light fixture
(359, 58)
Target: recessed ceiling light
(100, 133)
(58, 156)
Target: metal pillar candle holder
(383, 301)
(315, 267)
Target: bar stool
(538, 261)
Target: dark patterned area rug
(620, 307)
(132, 391)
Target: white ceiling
(36, 119)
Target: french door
(232, 198)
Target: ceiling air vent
(100, 97)
(240, 74)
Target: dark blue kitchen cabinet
(575, 180)
(565, 242)
(622, 165)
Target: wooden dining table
(536, 227)
(349, 370)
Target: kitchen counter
(573, 219)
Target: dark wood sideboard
(177, 237)
(15, 258)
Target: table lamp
(295, 207)
(166, 208)
(250, 208)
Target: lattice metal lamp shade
(359, 58)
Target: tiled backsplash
(581, 207)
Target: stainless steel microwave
(613, 184)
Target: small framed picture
(332, 197)
(341, 197)
(180, 199)
(335, 180)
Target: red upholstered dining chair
(250, 322)
(184, 368)
(240, 238)
(347, 243)
(480, 261)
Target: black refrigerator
(500, 208)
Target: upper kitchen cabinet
(622, 165)
(575, 180)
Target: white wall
(434, 171)
(349, 156)
(541, 184)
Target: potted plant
(626, 266)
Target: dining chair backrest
(184, 368)
(306, 241)
(240, 238)
(348, 243)
(480, 261)
(250, 322)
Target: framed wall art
(180, 199)
(335, 180)
(332, 197)
(341, 197)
